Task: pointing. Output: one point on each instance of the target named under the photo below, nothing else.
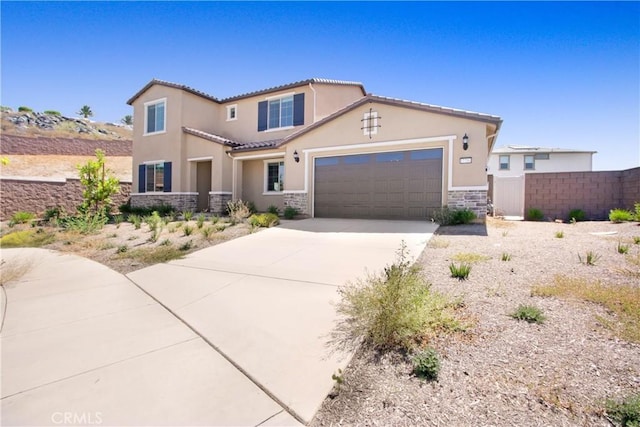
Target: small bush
(165, 242)
(535, 214)
(636, 240)
(187, 230)
(577, 215)
(85, 223)
(263, 220)
(461, 271)
(394, 308)
(200, 221)
(162, 209)
(620, 215)
(24, 109)
(626, 412)
(290, 212)
(55, 212)
(117, 220)
(22, 217)
(122, 249)
(186, 246)
(252, 207)
(136, 220)
(591, 258)
(273, 209)
(528, 313)
(463, 216)
(506, 257)
(238, 211)
(207, 232)
(426, 364)
(187, 215)
(215, 219)
(559, 234)
(52, 112)
(154, 221)
(636, 206)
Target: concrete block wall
(37, 195)
(596, 193)
(22, 145)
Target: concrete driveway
(234, 334)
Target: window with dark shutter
(298, 109)
(262, 115)
(166, 181)
(142, 174)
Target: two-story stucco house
(515, 160)
(325, 147)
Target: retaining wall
(22, 145)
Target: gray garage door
(395, 185)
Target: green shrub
(559, 234)
(627, 412)
(620, 215)
(52, 112)
(215, 219)
(461, 271)
(187, 215)
(506, 257)
(252, 207)
(186, 246)
(187, 230)
(535, 214)
(154, 221)
(200, 221)
(621, 248)
(636, 240)
(263, 220)
(591, 258)
(426, 364)
(636, 206)
(528, 313)
(27, 239)
(463, 216)
(290, 212)
(394, 308)
(577, 215)
(22, 217)
(136, 220)
(162, 209)
(24, 109)
(207, 232)
(273, 209)
(86, 223)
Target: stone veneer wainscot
(179, 201)
(218, 202)
(474, 200)
(300, 201)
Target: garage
(386, 185)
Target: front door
(203, 184)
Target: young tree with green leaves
(99, 185)
(85, 111)
(127, 120)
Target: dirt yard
(505, 372)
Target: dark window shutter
(166, 182)
(298, 109)
(142, 176)
(262, 115)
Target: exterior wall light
(296, 157)
(465, 142)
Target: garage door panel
(401, 185)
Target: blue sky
(559, 74)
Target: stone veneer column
(218, 202)
(474, 200)
(179, 201)
(300, 201)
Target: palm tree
(127, 120)
(85, 111)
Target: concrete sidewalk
(234, 334)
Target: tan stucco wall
(197, 149)
(162, 146)
(398, 124)
(331, 98)
(253, 185)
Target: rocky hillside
(35, 124)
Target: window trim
(234, 108)
(500, 168)
(533, 162)
(265, 184)
(146, 116)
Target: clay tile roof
(257, 145)
(211, 137)
(173, 85)
(295, 84)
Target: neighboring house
(325, 147)
(515, 160)
(508, 165)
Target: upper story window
(281, 112)
(155, 114)
(541, 156)
(529, 162)
(232, 112)
(504, 163)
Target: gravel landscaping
(505, 372)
